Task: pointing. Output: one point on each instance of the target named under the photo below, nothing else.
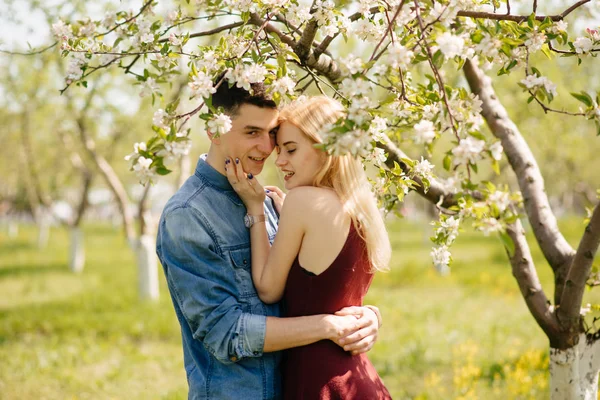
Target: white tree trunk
(145, 250)
(574, 372)
(43, 230)
(77, 250)
(13, 229)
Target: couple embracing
(242, 293)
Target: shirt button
(245, 261)
(233, 359)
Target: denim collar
(208, 174)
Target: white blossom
(159, 119)
(143, 171)
(356, 142)
(174, 40)
(532, 82)
(357, 109)
(424, 169)
(242, 5)
(377, 157)
(441, 259)
(500, 199)
(355, 87)
(399, 56)
(149, 87)
(147, 38)
(490, 225)
(284, 85)
(220, 124)
(201, 85)
(450, 45)
(449, 228)
(109, 20)
(61, 31)
(424, 132)
(468, 151)
(297, 14)
(377, 128)
(87, 29)
(244, 75)
(560, 26)
(171, 17)
(209, 62)
(173, 151)
(367, 30)
(351, 64)
(583, 45)
(535, 41)
(496, 149)
(74, 71)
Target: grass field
(65, 336)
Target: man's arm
(204, 286)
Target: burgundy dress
(323, 370)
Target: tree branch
(324, 65)
(436, 194)
(523, 269)
(556, 249)
(520, 18)
(579, 272)
(303, 46)
(210, 32)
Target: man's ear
(212, 138)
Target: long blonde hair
(344, 174)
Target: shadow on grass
(14, 246)
(33, 269)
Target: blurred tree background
(78, 329)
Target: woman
(331, 238)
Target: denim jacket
(204, 248)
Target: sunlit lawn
(65, 336)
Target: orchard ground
(66, 336)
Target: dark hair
(231, 97)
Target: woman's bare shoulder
(311, 199)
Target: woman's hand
(277, 196)
(246, 186)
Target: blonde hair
(344, 174)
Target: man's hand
(364, 338)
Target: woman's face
(296, 157)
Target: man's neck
(216, 161)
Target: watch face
(247, 221)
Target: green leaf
(438, 59)
(584, 98)
(496, 167)
(162, 170)
(508, 243)
(447, 162)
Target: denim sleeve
(204, 286)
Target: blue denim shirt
(204, 248)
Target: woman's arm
(271, 265)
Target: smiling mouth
(288, 175)
(257, 159)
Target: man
(230, 338)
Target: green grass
(66, 336)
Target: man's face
(251, 138)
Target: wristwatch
(250, 220)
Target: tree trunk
(43, 224)
(145, 251)
(184, 171)
(12, 229)
(77, 250)
(574, 371)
